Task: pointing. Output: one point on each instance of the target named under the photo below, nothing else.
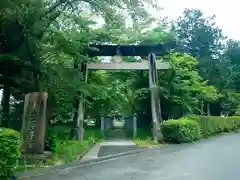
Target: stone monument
(34, 123)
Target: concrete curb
(73, 165)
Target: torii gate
(152, 65)
(34, 118)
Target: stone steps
(117, 134)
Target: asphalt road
(217, 158)
(111, 150)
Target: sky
(227, 12)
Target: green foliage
(211, 125)
(192, 127)
(182, 84)
(144, 138)
(9, 152)
(93, 135)
(43, 42)
(181, 130)
(68, 151)
(43, 45)
(62, 132)
(58, 137)
(144, 133)
(230, 100)
(218, 62)
(202, 39)
(237, 112)
(50, 140)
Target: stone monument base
(35, 158)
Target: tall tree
(230, 97)
(201, 38)
(25, 24)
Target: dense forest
(44, 43)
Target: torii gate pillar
(155, 101)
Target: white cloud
(227, 12)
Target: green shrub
(9, 152)
(182, 130)
(211, 125)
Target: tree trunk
(78, 129)
(202, 108)
(5, 106)
(208, 110)
(80, 120)
(75, 119)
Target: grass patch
(144, 138)
(65, 149)
(68, 151)
(145, 143)
(71, 150)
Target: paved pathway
(216, 158)
(110, 147)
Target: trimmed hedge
(9, 152)
(211, 125)
(182, 130)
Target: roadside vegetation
(63, 148)
(144, 138)
(192, 128)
